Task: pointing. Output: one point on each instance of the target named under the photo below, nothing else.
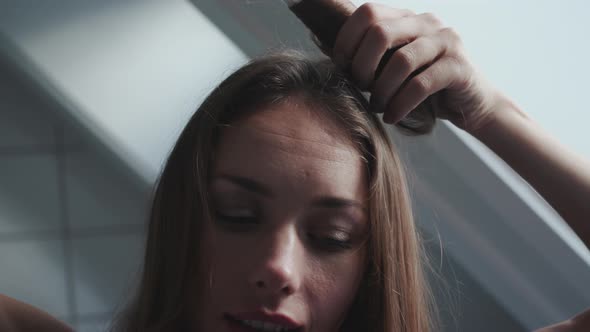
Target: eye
(240, 219)
(335, 241)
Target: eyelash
(329, 244)
(242, 220)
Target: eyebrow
(258, 188)
(336, 202)
(248, 184)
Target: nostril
(287, 290)
(260, 284)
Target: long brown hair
(393, 295)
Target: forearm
(558, 174)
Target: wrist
(504, 113)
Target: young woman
(283, 206)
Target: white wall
(134, 69)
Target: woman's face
(285, 249)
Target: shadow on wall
(462, 303)
(71, 215)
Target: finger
(435, 78)
(384, 35)
(355, 27)
(405, 61)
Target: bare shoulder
(17, 316)
(579, 323)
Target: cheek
(224, 259)
(333, 288)
(218, 279)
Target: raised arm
(431, 63)
(561, 176)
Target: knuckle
(431, 19)
(369, 11)
(422, 84)
(380, 33)
(451, 34)
(455, 61)
(404, 58)
(407, 12)
(423, 42)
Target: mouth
(261, 324)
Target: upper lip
(267, 317)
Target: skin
(431, 62)
(279, 257)
(297, 280)
(16, 316)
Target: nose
(278, 272)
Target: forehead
(296, 119)
(291, 145)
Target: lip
(267, 317)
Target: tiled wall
(71, 221)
